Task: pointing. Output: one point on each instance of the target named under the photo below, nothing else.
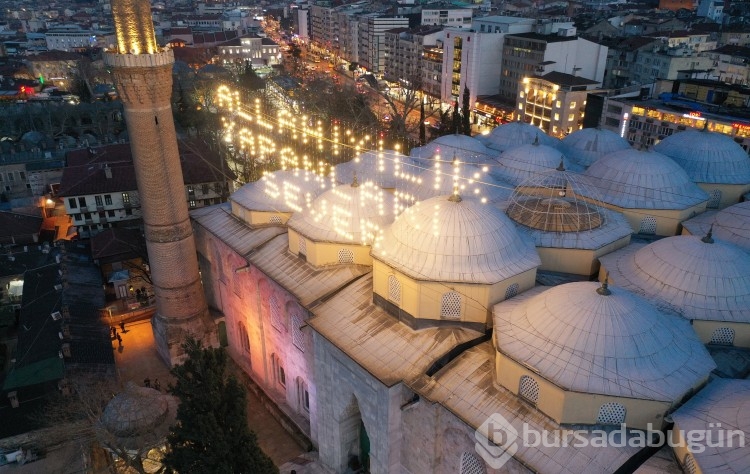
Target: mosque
(399, 306)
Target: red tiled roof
(117, 242)
(13, 224)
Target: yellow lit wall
(321, 254)
(577, 261)
(705, 330)
(134, 27)
(730, 193)
(259, 218)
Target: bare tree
(404, 108)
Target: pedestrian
(122, 326)
(147, 382)
(114, 332)
(157, 385)
(119, 339)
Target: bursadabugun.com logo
(498, 440)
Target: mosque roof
(380, 167)
(634, 179)
(700, 280)
(587, 145)
(708, 157)
(455, 240)
(473, 183)
(465, 148)
(509, 135)
(280, 191)
(588, 338)
(351, 213)
(139, 417)
(731, 224)
(525, 161)
(721, 406)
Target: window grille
(714, 199)
(298, 337)
(450, 306)
(688, 464)
(471, 464)
(277, 318)
(723, 336)
(302, 246)
(648, 225)
(611, 414)
(511, 291)
(346, 256)
(529, 389)
(394, 289)
(274, 220)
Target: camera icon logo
(496, 441)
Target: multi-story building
(684, 41)
(323, 23)
(99, 188)
(451, 17)
(731, 64)
(711, 9)
(554, 102)
(250, 49)
(58, 67)
(302, 21)
(652, 65)
(346, 40)
(72, 38)
(621, 57)
(473, 58)
(530, 54)
(371, 36)
(432, 73)
(404, 52)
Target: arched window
(346, 256)
(277, 313)
(275, 219)
(450, 305)
(648, 225)
(471, 464)
(298, 338)
(511, 291)
(688, 464)
(723, 336)
(302, 246)
(278, 370)
(303, 397)
(242, 336)
(394, 289)
(611, 414)
(714, 200)
(528, 388)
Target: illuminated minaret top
(143, 77)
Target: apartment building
(459, 18)
(404, 52)
(371, 36)
(73, 38)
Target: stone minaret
(143, 78)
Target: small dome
(513, 134)
(139, 415)
(586, 338)
(700, 277)
(587, 145)
(525, 161)
(463, 147)
(634, 179)
(352, 213)
(708, 157)
(731, 224)
(547, 207)
(280, 191)
(380, 167)
(473, 183)
(455, 240)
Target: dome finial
(536, 140)
(455, 197)
(708, 239)
(705, 126)
(355, 183)
(561, 166)
(604, 289)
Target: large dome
(463, 147)
(380, 167)
(708, 157)
(351, 213)
(280, 191)
(587, 145)
(523, 162)
(731, 224)
(513, 134)
(634, 179)
(591, 339)
(700, 277)
(455, 240)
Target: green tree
(211, 435)
(249, 79)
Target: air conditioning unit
(56, 316)
(58, 287)
(11, 258)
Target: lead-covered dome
(455, 240)
(731, 224)
(513, 134)
(700, 277)
(708, 157)
(280, 191)
(635, 179)
(598, 340)
(523, 162)
(380, 167)
(465, 148)
(353, 213)
(587, 145)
